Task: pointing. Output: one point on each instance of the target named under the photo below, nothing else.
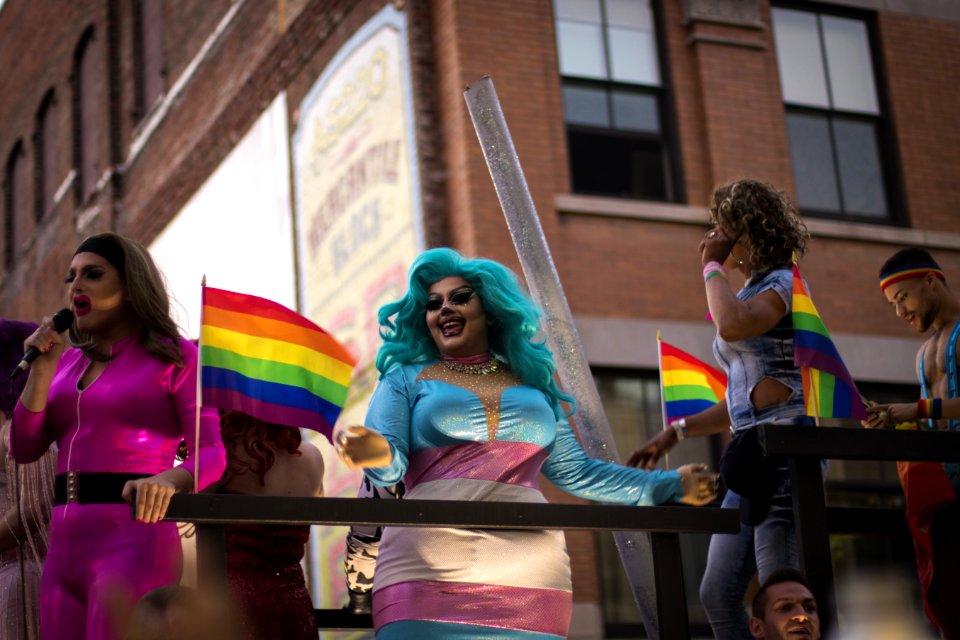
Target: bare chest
(936, 354)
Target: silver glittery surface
(562, 337)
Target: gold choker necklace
(479, 369)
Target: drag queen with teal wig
(467, 409)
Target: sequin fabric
(266, 581)
(482, 438)
(487, 387)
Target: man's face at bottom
(790, 612)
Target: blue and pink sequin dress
(457, 436)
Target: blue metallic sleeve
(389, 414)
(570, 469)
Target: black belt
(91, 488)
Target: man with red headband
(915, 286)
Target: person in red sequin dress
(264, 577)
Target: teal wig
(512, 333)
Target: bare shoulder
(312, 467)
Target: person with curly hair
(117, 404)
(264, 577)
(756, 229)
(467, 409)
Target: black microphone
(61, 322)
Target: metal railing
(211, 512)
(804, 446)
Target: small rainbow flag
(687, 385)
(828, 388)
(265, 360)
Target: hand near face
(362, 448)
(716, 246)
(699, 485)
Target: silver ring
(712, 234)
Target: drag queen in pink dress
(118, 404)
(467, 409)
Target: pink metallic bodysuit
(130, 419)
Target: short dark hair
(786, 574)
(909, 257)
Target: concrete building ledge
(686, 214)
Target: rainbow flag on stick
(265, 360)
(828, 388)
(687, 385)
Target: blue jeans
(734, 558)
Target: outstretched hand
(648, 455)
(362, 448)
(699, 485)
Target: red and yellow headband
(908, 272)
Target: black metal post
(212, 558)
(813, 539)
(668, 582)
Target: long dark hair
(146, 293)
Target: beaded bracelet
(930, 409)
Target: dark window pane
(607, 164)
(47, 161)
(635, 112)
(861, 176)
(14, 204)
(611, 76)
(583, 105)
(150, 16)
(89, 120)
(814, 173)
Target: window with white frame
(839, 147)
(613, 99)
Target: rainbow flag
(265, 360)
(828, 388)
(687, 385)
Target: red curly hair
(259, 439)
